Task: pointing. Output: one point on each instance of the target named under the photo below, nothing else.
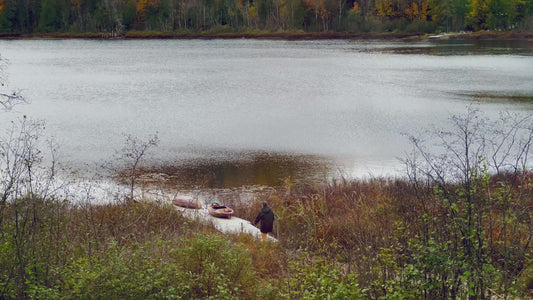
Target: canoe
(186, 201)
(219, 210)
(436, 37)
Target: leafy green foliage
(214, 268)
(319, 280)
(123, 274)
(50, 17)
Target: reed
(372, 238)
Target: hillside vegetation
(459, 226)
(114, 18)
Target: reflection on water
(265, 169)
(501, 97)
(460, 47)
(349, 101)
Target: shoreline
(133, 35)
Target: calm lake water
(257, 111)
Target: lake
(234, 112)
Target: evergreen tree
(50, 17)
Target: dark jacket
(266, 217)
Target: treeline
(121, 16)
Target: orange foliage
(142, 7)
(415, 13)
(1, 5)
(384, 8)
(412, 11)
(355, 6)
(318, 6)
(310, 4)
(424, 11)
(240, 5)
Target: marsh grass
(350, 238)
(380, 228)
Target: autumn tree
(384, 8)
(292, 13)
(478, 15)
(416, 11)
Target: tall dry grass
(365, 232)
(375, 228)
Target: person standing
(266, 217)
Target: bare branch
(8, 101)
(129, 158)
(11, 99)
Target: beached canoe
(219, 210)
(186, 201)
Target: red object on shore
(219, 210)
(187, 202)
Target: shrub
(215, 267)
(316, 279)
(203, 267)
(123, 274)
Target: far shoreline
(133, 35)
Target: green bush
(319, 280)
(202, 267)
(123, 274)
(216, 268)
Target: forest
(117, 17)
